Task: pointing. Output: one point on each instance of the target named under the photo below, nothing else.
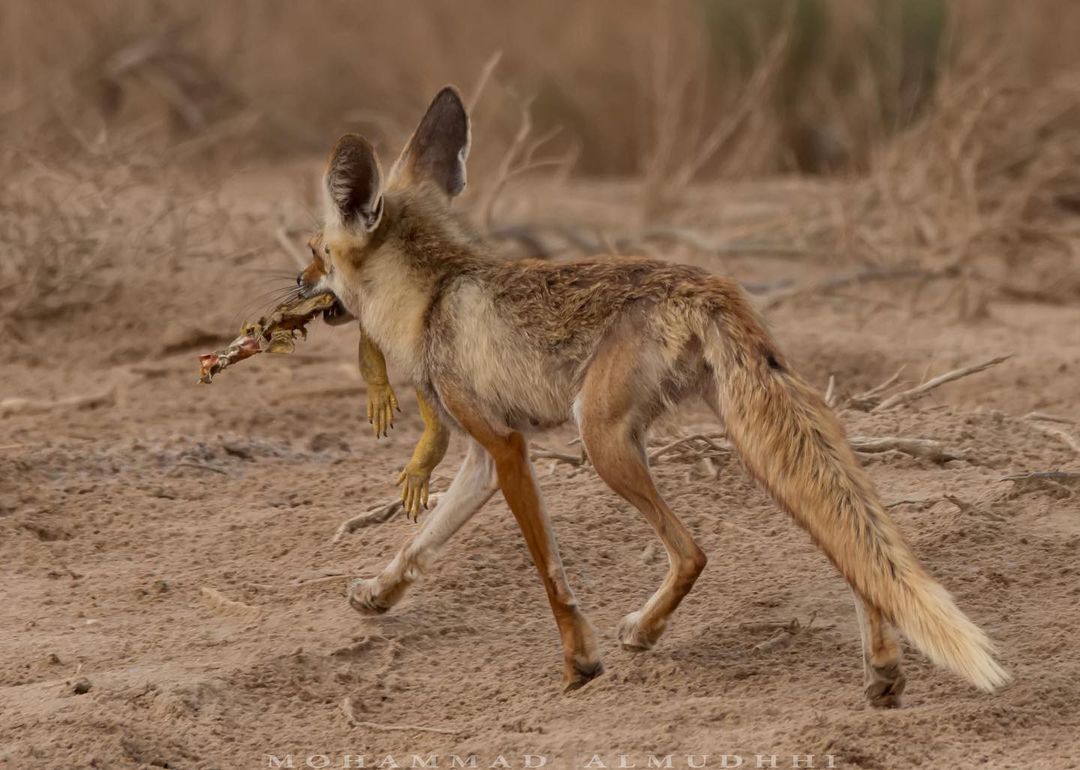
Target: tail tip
(990, 676)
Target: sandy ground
(114, 518)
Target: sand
(172, 598)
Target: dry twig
(870, 398)
(482, 81)
(905, 396)
(698, 446)
(1059, 433)
(1044, 417)
(785, 634)
(377, 515)
(538, 452)
(1068, 476)
(520, 158)
(1059, 480)
(916, 447)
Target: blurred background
(941, 132)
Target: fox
(500, 350)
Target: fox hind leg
(613, 417)
(883, 679)
(619, 459)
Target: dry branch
(481, 82)
(912, 501)
(1044, 417)
(753, 95)
(870, 398)
(905, 396)
(380, 513)
(706, 444)
(710, 446)
(785, 634)
(1058, 480)
(1059, 433)
(924, 448)
(520, 158)
(1044, 476)
(538, 452)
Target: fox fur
(503, 349)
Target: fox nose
(300, 279)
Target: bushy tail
(796, 447)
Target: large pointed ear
(438, 148)
(354, 184)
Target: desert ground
(173, 597)
(897, 184)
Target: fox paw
(885, 685)
(366, 597)
(633, 637)
(580, 673)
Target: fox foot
(370, 596)
(634, 636)
(885, 685)
(580, 672)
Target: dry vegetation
(898, 183)
(960, 123)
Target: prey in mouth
(336, 314)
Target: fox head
(355, 195)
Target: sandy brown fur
(505, 348)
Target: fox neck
(391, 284)
(393, 306)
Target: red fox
(502, 349)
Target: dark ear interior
(354, 181)
(439, 146)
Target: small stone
(81, 686)
(53, 659)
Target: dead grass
(961, 129)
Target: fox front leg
(382, 403)
(429, 452)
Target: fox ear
(354, 183)
(438, 148)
